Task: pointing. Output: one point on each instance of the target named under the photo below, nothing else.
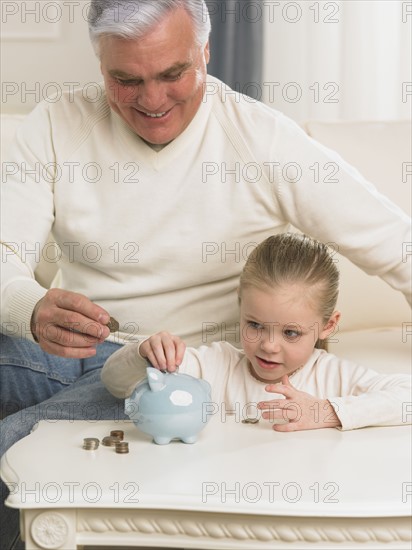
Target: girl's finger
(180, 350)
(272, 415)
(150, 356)
(270, 404)
(169, 352)
(289, 427)
(287, 391)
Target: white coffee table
(241, 486)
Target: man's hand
(302, 410)
(68, 324)
(164, 351)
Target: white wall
(345, 59)
(45, 48)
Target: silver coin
(250, 420)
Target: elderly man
(155, 192)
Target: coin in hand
(113, 325)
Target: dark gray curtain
(236, 44)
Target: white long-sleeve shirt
(360, 396)
(159, 238)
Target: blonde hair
(290, 258)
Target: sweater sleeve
(360, 396)
(375, 400)
(321, 194)
(125, 368)
(27, 218)
(343, 209)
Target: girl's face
(279, 329)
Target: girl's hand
(302, 410)
(164, 351)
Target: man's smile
(155, 115)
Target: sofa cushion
(386, 350)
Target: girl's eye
(291, 334)
(254, 325)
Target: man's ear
(206, 52)
(330, 326)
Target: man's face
(156, 83)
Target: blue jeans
(37, 386)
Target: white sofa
(374, 326)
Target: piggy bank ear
(129, 407)
(155, 379)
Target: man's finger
(73, 301)
(64, 337)
(83, 325)
(68, 352)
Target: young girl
(287, 294)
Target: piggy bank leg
(160, 440)
(190, 439)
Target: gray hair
(134, 18)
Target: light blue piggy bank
(169, 406)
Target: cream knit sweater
(159, 238)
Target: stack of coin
(109, 441)
(115, 439)
(117, 433)
(90, 443)
(250, 420)
(122, 447)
